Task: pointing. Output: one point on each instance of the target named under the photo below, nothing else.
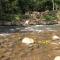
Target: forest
(15, 10)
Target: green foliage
(18, 17)
(50, 16)
(12, 9)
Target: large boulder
(57, 58)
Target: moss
(44, 42)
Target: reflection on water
(42, 27)
(4, 34)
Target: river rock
(27, 41)
(55, 37)
(57, 58)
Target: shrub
(50, 17)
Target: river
(12, 29)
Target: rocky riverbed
(43, 48)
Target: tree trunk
(56, 7)
(53, 4)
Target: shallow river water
(44, 48)
(9, 29)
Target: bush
(50, 16)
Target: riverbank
(36, 28)
(34, 18)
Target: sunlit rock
(55, 37)
(57, 58)
(39, 25)
(54, 43)
(26, 22)
(27, 41)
